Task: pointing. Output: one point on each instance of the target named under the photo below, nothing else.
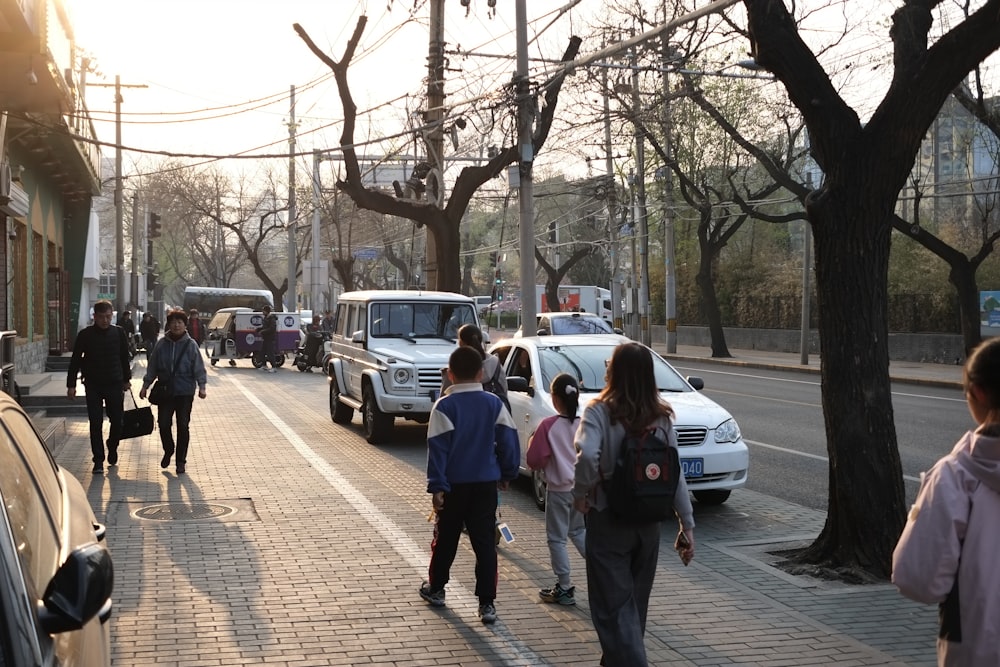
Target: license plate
(692, 467)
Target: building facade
(49, 173)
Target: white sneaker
(270, 370)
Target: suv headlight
(401, 375)
(727, 431)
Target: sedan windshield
(588, 363)
(579, 325)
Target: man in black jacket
(268, 332)
(101, 359)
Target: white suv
(386, 354)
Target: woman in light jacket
(622, 556)
(947, 554)
(176, 359)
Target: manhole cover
(179, 512)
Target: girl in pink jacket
(551, 449)
(948, 551)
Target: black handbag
(136, 422)
(162, 389)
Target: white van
(386, 354)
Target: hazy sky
(218, 71)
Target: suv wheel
(376, 423)
(538, 488)
(712, 496)
(340, 413)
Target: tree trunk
(710, 304)
(963, 277)
(866, 506)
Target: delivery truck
(580, 298)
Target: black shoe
(165, 461)
(180, 468)
(98, 468)
(113, 456)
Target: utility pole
(669, 260)
(314, 264)
(134, 291)
(434, 130)
(609, 166)
(290, 292)
(526, 151)
(640, 194)
(119, 212)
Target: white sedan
(714, 458)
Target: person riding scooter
(310, 353)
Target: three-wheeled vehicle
(232, 334)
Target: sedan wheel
(712, 496)
(538, 487)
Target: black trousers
(179, 406)
(475, 507)
(101, 397)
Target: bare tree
(442, 223)
(851, 214)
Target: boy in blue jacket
(472, 451)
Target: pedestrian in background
(948, 550)
(149, 329)
(552, 451)
(101, 359)
(472, 452)
(494, 379)
(327, 324)
(127, 324)
(622, 556)
(195, 327)
(176, 359)
(268, 332)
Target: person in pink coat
(947, 554)
(552, 450)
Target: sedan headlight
(727, 431)
(401, 375)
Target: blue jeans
(100, 397)
(181, 407)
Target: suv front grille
(688, 436)
(429, 378)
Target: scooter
(310, 354)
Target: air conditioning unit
(13, 198)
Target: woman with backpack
(622, 552)
(494, 379)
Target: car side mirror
(542, 332)
(620, 332)
(518, 383)
(79, 591)
(358, 336)
(695, 382)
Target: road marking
(502, 641)
(807, 455)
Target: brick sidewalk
(293, 542)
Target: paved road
(293, 542)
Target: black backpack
(494, 386)
(645, 478)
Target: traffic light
(154, 226)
